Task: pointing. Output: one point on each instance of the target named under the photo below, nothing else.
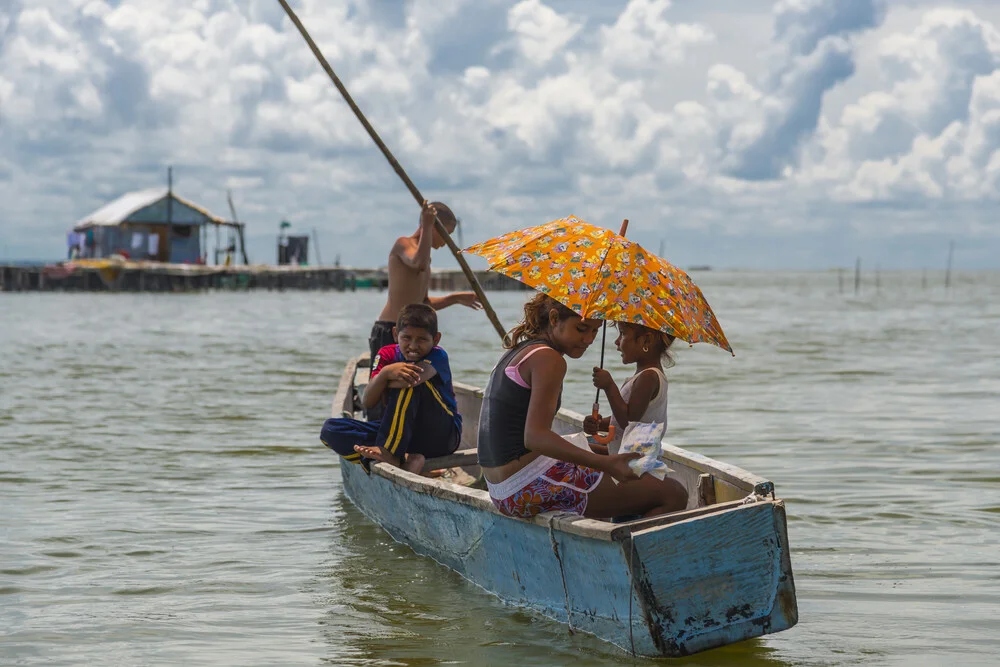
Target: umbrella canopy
(602, 275)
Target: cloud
(801, 25)
(931, 133)
(643, 38)
(591, 99)
(540, 31)
(514, 113)
(812, 55)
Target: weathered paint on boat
(667, 586)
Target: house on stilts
(154, 225)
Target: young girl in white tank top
(656, 410)
(643, 397)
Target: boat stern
(716, 579)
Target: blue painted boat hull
(693, 585)
(669, 586)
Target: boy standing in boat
(412, 379)
(409, 278)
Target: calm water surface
(164, 497)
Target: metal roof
(121, 209)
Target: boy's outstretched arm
(468, 299)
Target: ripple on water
(165, 498)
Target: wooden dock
(109, 275)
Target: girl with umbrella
(586, 275)
(528, 467)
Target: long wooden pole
(476, 287)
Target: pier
(109, 275)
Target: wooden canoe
(716, 573)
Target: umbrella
(602, 275)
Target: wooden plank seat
(457, 459)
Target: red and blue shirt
(440, 384)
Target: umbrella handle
(602, 439)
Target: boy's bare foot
(414, 463)
(377, 454)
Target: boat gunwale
(563, 521)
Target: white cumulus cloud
(512, 112)
(932, 131)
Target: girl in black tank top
(528, 467)
(504, 411)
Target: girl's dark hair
(664, 340)
(536, 319)
(419, 316)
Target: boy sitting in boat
(412, 380)
(409, 277)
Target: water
(164, 498)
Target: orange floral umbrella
(602, 275)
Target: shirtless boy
(409, 277)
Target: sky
(733, 133)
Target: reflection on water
(164, 497)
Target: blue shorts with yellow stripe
(415, 420)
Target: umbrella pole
(605, 439)
(604, 338)
(598, 438)
(470, 276)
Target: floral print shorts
(561, 487)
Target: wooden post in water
(857, 276)
(319, 260)
(215, 262)
(840, 280)
(170, 211)
(947, 272)
(441, 229)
